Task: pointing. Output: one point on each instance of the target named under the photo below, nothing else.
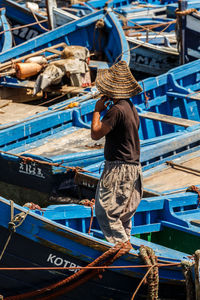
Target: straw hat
(117, 82)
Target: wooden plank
(73, 140)
(14, 112)
(195, 222)
(193, 95)
(4, 102)
(168, 178)
(55, 51)
(19, 95)
(168, 119)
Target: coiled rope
(196, 270)
(15, 221)
(187, 272)
(148, 256)
(194, 189)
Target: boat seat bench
(194, 95)
(168, 119)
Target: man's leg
(112, 199)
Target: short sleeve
(112, 116)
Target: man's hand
(101, 104)
(99, 129)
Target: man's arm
(98, 128)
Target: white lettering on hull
(60, 262)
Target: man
(119, 189)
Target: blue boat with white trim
(62, 136)
(59, 241)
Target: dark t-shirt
(122, 142)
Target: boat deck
(14, 112)
(75, 141)
(184, 173)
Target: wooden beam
(168, 119)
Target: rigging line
(22, 26)
(35, 17)
(140, 45)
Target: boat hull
(46, 244)
(151, 59)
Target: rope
(186, 266)
(194, 189)
(37, 21)
(88, 268)
(91, 204)
(193, 93)
(143, 43)
(196, 271)
(107, 257)
(149, 258)
(52, 100)
(148, 27)
(145, 95)
(141, 282)
(24, 159)
(15, 221)
(185, 12)
(11, 231)
(22, 26)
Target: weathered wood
(55, 51)
(65, 89)
(4, 102)
(75, 141)
(14, 112)
(173, 165)
(166, 178)
(195, 222)
(19, 95)
(168, 119)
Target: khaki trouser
(118, 195)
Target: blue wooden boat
(152, 58)
(152, 24)
(191, 37)
(152, 53)
(128, 8)
(54, 134)
(153, 44)
(6, 36)
(23, 16)
(174, 174)
(170, 171)
(82, 32)
(59, 237)
(58, 16)
(171, 7)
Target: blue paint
(60, 233)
